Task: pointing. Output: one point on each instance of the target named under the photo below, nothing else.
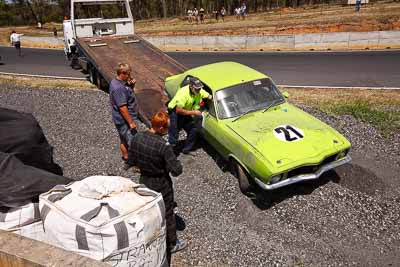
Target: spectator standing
(216, 12)
(124, 108)
(223, 12)
(190, 15)
(201, 14)
(237, 13)
(155, 159)
(15, 39)
(196, 15)
(243, 10)
(358, 5)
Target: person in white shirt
(196, 15)
(190, 15)
(15, 40)
(243, 10)
(237, 13)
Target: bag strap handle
(120, 228)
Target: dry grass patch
(46, 31)
(45, 83)
(378, 107)
(335, 18)
(41, 45)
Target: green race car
(267, 141)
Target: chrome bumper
(303, 177)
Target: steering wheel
(233, 105)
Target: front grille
(312, 168)
(303, 170)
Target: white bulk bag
(24, 220)
(11, 218)
(107, 218)
(33, 231)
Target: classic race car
(267, 141)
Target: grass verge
(45, 83)
(380, 108)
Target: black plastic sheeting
(22, 136)
(27, 168)
(21, 184)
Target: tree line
(25, 12)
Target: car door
(211, 129)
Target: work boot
(179, 222)
(188, 153)
(179, 245)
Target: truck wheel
(237, 170)
(93, 75)
(75, 62)
(101, 82)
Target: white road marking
(338, 87)
(43, 76)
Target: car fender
(232, 156)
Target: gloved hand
(133, 131)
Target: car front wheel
(245, 184)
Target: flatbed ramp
(150, 66)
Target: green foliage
(386, 119)
(23, 12)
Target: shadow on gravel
(358, 178)
(263, 199)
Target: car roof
(224, 74)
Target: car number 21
(288, 133)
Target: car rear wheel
(245, 184)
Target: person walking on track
(15, 39)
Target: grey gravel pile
(348, 217)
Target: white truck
(100, 34)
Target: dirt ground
(311, 19)
(349, 217)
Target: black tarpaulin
(27, 168)
(22, 136)
(21, 184)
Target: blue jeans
(187, 123)
(125, 134)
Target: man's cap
(196, 83)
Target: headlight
(275, 179)
(341, 154)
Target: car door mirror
(285, 94)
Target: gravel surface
(348, 217)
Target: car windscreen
(246, 97)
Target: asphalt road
(356, 68)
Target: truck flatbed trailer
(100, 35)
(150, 66)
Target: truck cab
(97, 18)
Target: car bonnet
(286, 134)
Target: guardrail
(310, 41)
(268, 42)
